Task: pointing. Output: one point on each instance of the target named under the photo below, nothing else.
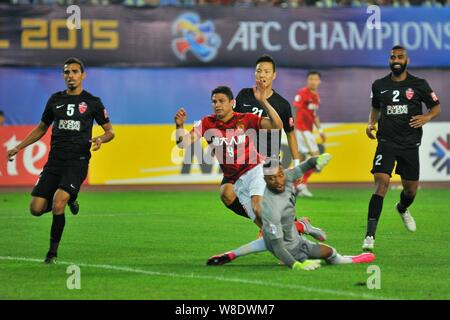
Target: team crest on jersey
(434, 97)
(240, 125)
(82, 107)
(409, 93)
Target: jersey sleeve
(48, 116)
(200, 127)
(299, 97)
(239, 102)
(253, 121)
(100, 113)
(286, 117)
(428, 96)
(293, 174)
(374, 97)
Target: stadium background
(151, 241)
(146, 62)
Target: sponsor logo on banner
(441, 154)
(197, 37)
(409, 93)
(82, 107)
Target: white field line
(222, 279)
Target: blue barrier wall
(144, 95)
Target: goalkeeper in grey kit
(278, 212)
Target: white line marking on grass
(193, 276)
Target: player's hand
(419, 121)
(11, 153)
(180, 117)
(260, 90)
(96, 143)
(307, 265)
(322, 136)
(369, 129)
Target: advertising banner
(226, 36)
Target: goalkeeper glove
(307, 265)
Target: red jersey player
(229, 134)
(307, 103)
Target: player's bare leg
(406, 199)
(60, 200)
(230, 199)
(39, 206)
(375, 207)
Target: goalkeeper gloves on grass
(307, 265)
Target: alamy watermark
(74, 20)
(74, 280)
(374, 21)
(374, 280)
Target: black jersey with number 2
(72, 117)
(397, 102)
(247, 103)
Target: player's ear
(83, 75)
(274, 75)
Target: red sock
(299, 226)
(307, 175)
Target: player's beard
(398, 71)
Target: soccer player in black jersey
(71, 112)
(397, 107)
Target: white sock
(252, 247)
(336, 258)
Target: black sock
(237, 207)
(56, 233)
(405, 202)
(375, 207)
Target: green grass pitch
(154, 245)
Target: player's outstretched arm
(372, 125)
(319, 128)
(36, 134)
(420, 120)
(183, 139)
(273, 121)
(287, 259)
(280, 251)
(104, 138)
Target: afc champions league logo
(441, 154)
(195, 36)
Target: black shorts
(407, 162)
(68, 176)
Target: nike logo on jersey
(72, 186)
(57, 107)
(246, 105)
(384, 91)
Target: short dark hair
(74, 60)
(398, 47)
(224, 90)
(266, 58)
(313, 72)
(271, 166)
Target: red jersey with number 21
(232, 143)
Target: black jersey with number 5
(398, 101)
(72, 117)
(247, 103)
